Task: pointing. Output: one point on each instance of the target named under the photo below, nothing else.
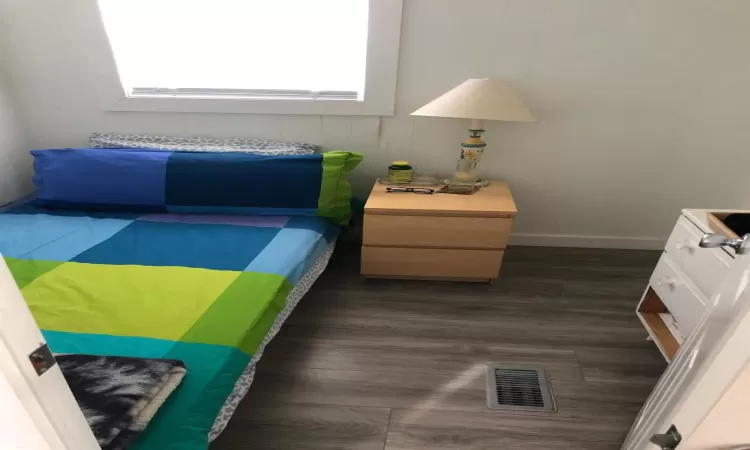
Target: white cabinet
(705, 266)
(683, 281)
(678, 293)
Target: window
(280, 56)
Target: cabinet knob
(668, 281)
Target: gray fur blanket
(119, 395)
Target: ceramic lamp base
(465, 172)
(471, 154)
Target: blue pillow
(190, 182)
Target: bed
(210, 290)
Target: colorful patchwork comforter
(203, 289)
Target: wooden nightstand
(438, 236)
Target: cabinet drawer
(678, 293)
(706, 267)
(429, 231)
(430, 262)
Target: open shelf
(648, 311)
(716, 222)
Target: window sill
(244, 105)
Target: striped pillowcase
(199, 144)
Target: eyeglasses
(408, 189)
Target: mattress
(246, 379)
(209, 290)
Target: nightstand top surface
(494, 200)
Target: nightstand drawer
(706, 267)
(430, 262)
(430, 231)
(683, 300)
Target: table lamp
(478, 99)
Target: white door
(51, 413)
(706, 363)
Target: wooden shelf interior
(649, 311)
(716, 222)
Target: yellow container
(400, 172)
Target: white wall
(15, 170)
(642, 105)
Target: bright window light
(239, 47)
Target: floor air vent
(519, 388)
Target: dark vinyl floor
(399, 365)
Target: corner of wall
(15, 163)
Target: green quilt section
(184, 304)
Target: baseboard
(14, 203)
(566, 240)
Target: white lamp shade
(480, 99)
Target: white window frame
(380, 82)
